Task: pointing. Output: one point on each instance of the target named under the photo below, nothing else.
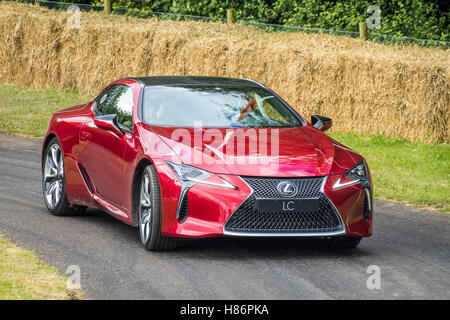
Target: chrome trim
(287, 234)
(322, 187)
(338, 183)
(286, 194)
(369, 199)
(184, 189)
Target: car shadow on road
(267, 247)
(231, 247)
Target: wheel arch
(47, 140)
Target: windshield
(215, 107)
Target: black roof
(194, 80)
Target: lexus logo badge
(286, 188)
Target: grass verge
(25, 111)
(24, 276)
(415, 173)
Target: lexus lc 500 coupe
(201, 157)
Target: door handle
(85, 136)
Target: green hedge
(413, 18)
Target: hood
(75, 108)
(276, 152)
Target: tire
(344, 242)
(53, 178)
(149, 213)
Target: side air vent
(184, 208)
(367, 211)
(86, 178)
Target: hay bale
(365, 87)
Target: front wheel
(53, 182)
(150, 215)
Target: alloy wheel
(53, 176)
(145, 208)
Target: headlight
(195, 175)
(356, 174)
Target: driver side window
(117, 100)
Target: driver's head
(250, 107)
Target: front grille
(248, 219)
(267, 187)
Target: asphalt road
(410, 246)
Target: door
(102, 150)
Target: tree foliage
(413, 18)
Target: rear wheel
(53, 182)
(344, 242)
(149, 213)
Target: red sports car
(203, 157)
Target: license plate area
(287, 205)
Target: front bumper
(207, 211)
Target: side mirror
(321, 123)
(109, 122)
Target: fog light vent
(184, 208)
(367, 211)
